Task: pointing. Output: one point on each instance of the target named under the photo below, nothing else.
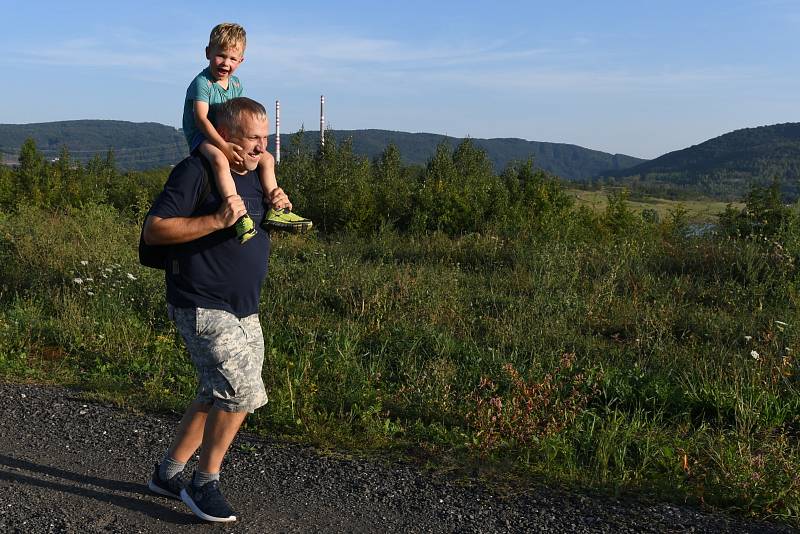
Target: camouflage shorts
(228, 354)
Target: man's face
(252, 137)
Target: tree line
(456, 192)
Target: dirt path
(68, 465)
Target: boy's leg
(222, 169)
(245, 229)
(266, 175)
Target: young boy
(213, 86)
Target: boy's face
(224, 61)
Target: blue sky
(636, 77)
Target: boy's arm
(230, 150)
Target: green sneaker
(245, 229)
(287, 221)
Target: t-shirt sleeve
(200, 89)
(181, 192)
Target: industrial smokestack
(277, 131)
(322, 120)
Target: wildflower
(748, 338)
(90, 293)
(131, 277)
(755, 355)
(84, 263)
(78, 281)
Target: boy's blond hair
(228, 35)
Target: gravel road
(69, 465)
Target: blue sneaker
(168, 488)
(207, 502)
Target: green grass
(621, 362)
(700, 210)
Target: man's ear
(208, 56)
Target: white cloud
(366, 64)
(96, 52)
(586, 80)
(318, 54)
(342, 59)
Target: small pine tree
(30, 173)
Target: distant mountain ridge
(730, 163)
(571, 162)
(140, 146)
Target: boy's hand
(278, 199)
(231, 152)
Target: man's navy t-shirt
(214, 271)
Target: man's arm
(177, 230)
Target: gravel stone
(70, 465)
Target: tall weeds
(597, 349)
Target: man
(213, 289)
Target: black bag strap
(208, 172)
(156, 256)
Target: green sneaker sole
(244, 238)
(286, 221)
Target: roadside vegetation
(450, 314)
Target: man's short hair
(229, 114)
(228, 35)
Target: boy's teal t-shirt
(205, 89)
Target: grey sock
(200, 478)
(169, 467)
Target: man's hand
(231, 151)
(230, 210)
(278, 199)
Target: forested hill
(571, 162)
(728, 164)
(147, 145)
(136, 145)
